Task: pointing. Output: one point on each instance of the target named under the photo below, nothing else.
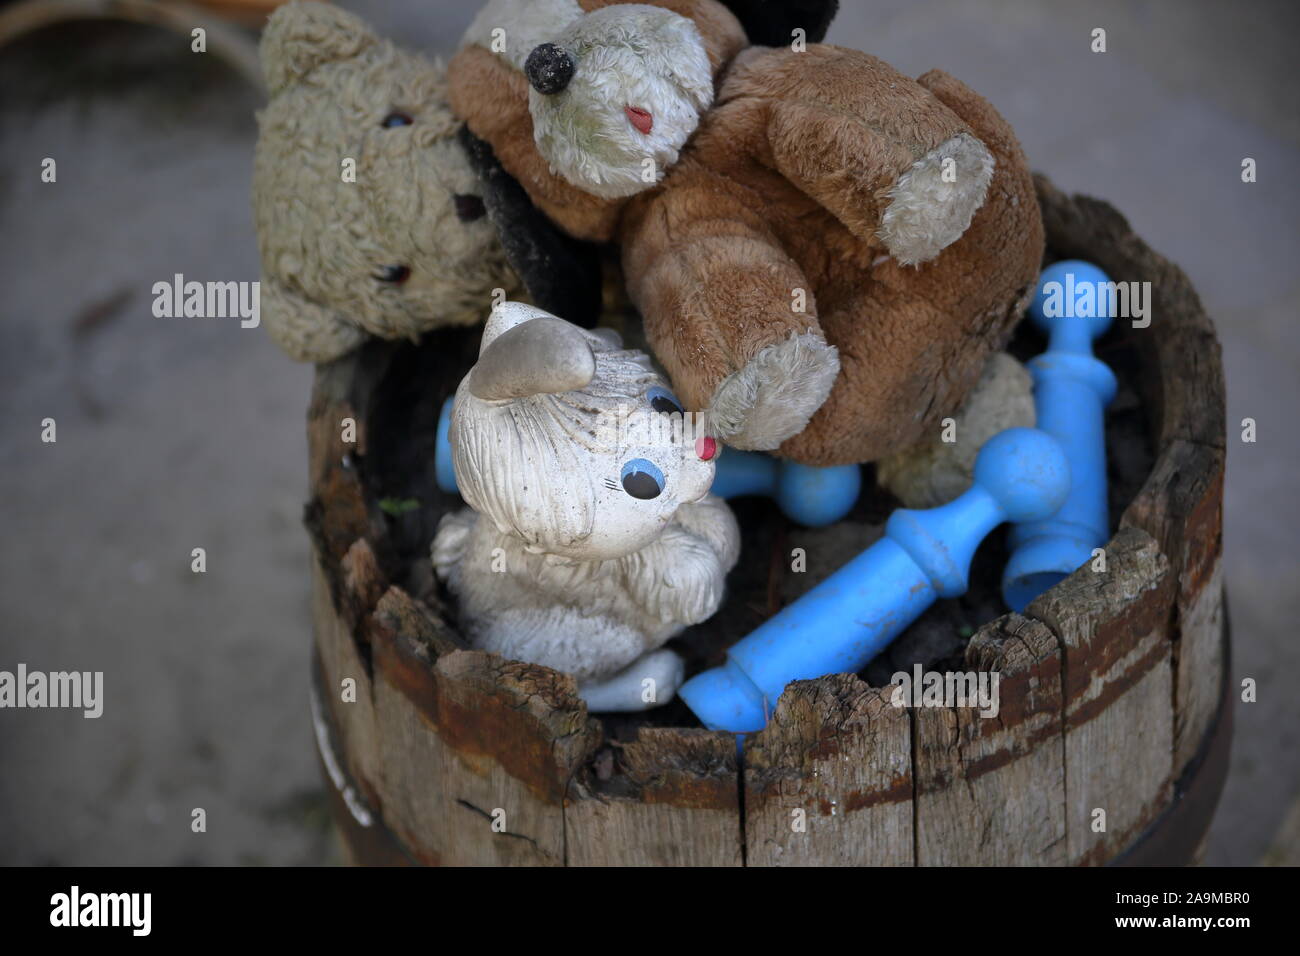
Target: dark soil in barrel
(397, 470)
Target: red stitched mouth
(639, 118)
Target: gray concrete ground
(183, 433)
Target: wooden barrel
(1111, 745)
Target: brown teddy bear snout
(549, 68)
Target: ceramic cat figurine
(591, 537)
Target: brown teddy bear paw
(772, 397)
(933, 203)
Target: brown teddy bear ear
(300, 36)
(307, 331)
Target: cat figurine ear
(561, 274)
(527, 352)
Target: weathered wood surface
(829, 780)
(1113, 627)
(668, 798)
(477, 751)
(1199, 663)
(994, 789)
(1108, 683)
(340, 660)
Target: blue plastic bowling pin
(444, 469)
(1021, 474)
(811, 496)
(1071, 391)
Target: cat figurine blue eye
(641, 479)
(664, 401)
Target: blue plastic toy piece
(1021, 474)
(811, 496)
(1071, 391)
(444, 471)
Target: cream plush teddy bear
(377, 213)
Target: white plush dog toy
(626, 85)
(591, 538)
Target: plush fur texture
(490, 92)
(774, 395)
(649, 59)
(808, 184)
(562, 275)
(554, 562)
(933, 203)
(786, 186)
(326, 243)
(933, 472)
(519, 25)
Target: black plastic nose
(549, 68)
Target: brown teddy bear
(376, 212)
(825, 252)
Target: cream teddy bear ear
(307, 331)
(302, 35)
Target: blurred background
(182, 433)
